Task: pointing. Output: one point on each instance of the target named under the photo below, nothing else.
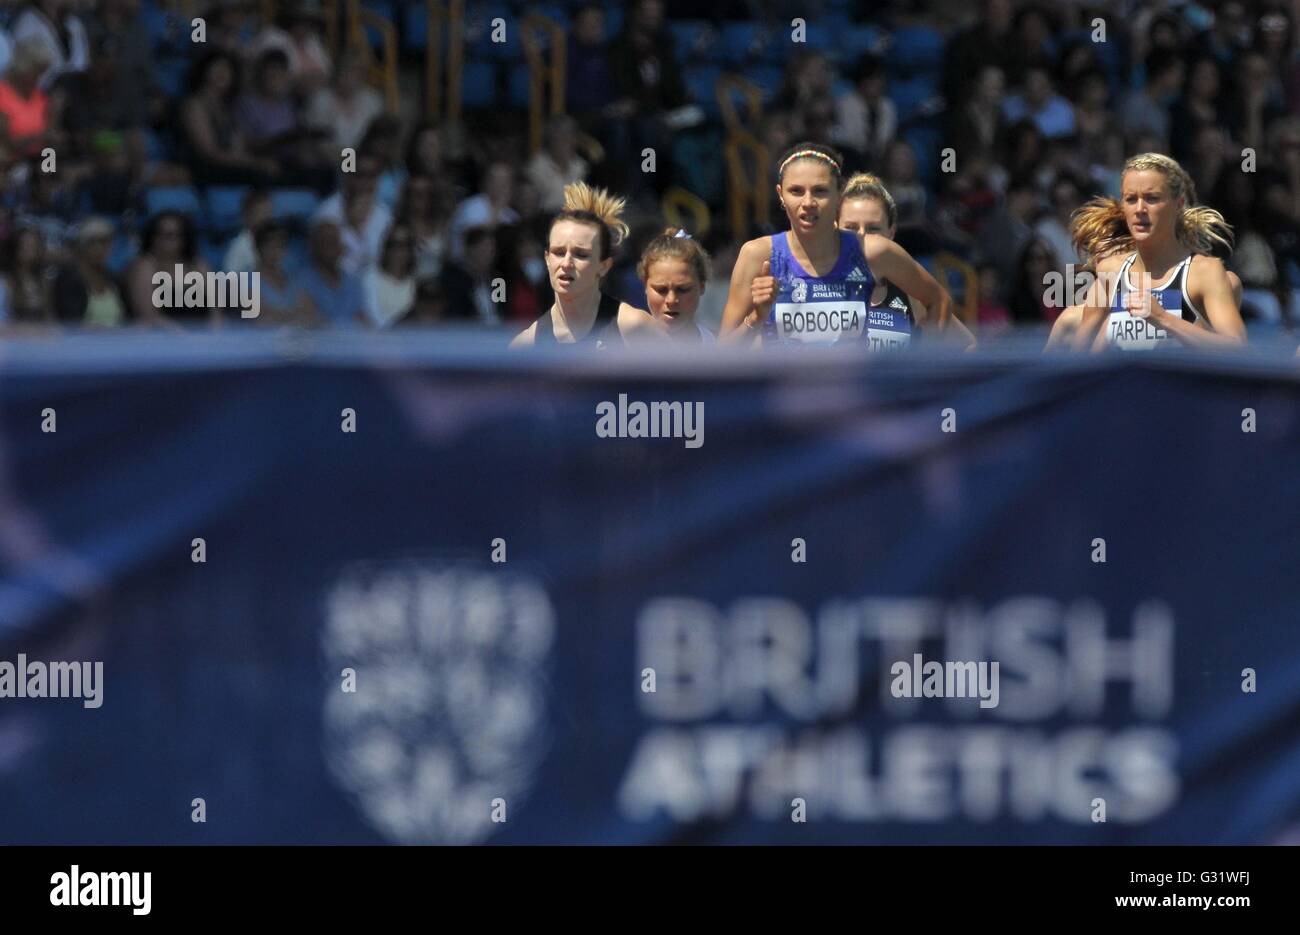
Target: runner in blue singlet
(812, 284)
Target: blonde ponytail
(865, 185)
(1098, 228)
(597, 206)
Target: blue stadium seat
(170, 73)
(743, 42)
(296, 256)
(293, 204)
(700, 81)
(156, 146)
(225, 206)
(917, 49)
(767, 77)
(121, 254)
(856, 41)
(518, 88)
(694, 40)
(414, 28)
(909, 94)
(926, 141)
(613, 18)
(212, 250)
(184, 200)
(479, 84)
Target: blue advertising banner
(364, 589)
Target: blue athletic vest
(1138, 334)
(827, 309)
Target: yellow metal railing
(688, 211)
(540, 35)
(451, 15)
(747, 159)
(381, 73)
(944, 263)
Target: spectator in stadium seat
(268, 119)
(865, 118)
(647, 84)
(1257, 103)
(299, 35)
(466, 282)
(22, 262)
(1196, 108)
(362, 218)
(168, 241)
(978, 125)
(335, 295)
(1094, 121)
(97, 100)
(899, 176)
(491, 208)
(557, 163)
(426, 154)
(117, 30)
(24, 107)
(241, 255)
(528, 291)
(589, 84)
(383, 141)
(346, 107)
(218, 153)
(389, 287)
(284, 301)
(1053, 227)
(1039, 102)
(988, 42)
(430, 304)
(110, 187)
(1211, 153)
(1227, 36)
(59, 30)
(85, 290)
(425, 207)
(1029, 303)
(1146, 110)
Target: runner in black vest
(579, 252)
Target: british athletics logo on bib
(821, 312)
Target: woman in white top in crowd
(390, 286)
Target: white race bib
(824, 322)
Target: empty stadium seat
(767, 77)
(917, 49)
(744, 42)
(700, 81)
(479, 84)
(293, 204)
(184, 200)
(856, 41)
(225, 205)
(694, 40)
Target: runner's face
(865, 216)
(573, 258)
(809, 194)
(1149, 209)
(672, 292)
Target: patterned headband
(803, 153)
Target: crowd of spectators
(127, 148)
